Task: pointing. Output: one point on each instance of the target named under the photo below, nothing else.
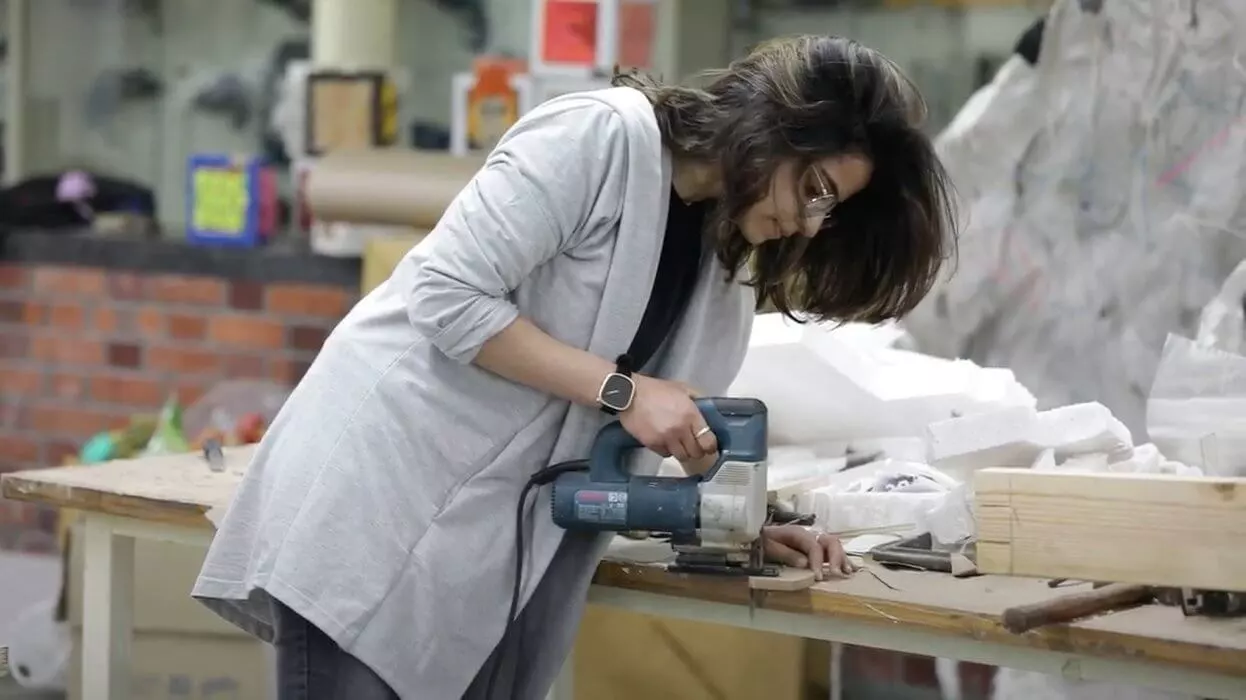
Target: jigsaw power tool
(714, 520)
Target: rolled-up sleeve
(527, 204)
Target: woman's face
(800, 198)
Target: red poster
(636, 33)
(570, 34)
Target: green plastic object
(168, 437)
(100, 448)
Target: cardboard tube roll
(386, 186)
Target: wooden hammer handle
(1075, 606)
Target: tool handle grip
(1075, 606)
(728, 418)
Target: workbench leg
(107, 611)
(564, 685)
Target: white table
(933, 614)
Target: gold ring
(701, 432)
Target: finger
(658, 447)
(692, 446)
(777, 551)
(676, 449)
(813, 548)
(708, 442)
(836, 560)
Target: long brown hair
(806, 98)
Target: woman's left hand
(794, 545)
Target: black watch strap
(623, 365)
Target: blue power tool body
(714, 520)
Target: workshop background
(134, 88)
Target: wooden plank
(1149, 529)
(173, 489)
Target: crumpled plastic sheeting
(1102, 196)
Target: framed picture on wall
(590, 37)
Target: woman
(632, 230)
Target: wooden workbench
(176, 498)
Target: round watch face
(616, 392)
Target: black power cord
(541, 478)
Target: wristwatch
(618, 388)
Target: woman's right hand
(664, 419)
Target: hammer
(1067, 608)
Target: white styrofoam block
(1002, 438)
(825, 384)
(1082, 429)
(842, 512)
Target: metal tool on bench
(921, 554)
(714, 520)
(1116, 596)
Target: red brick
(65, 421)
(919, 671)
(245, 295)
(149, 322)
(146, 322)
(306, 338)
(190, 392)
(14, 345)
(124, 355)
(308, 300)
(12, 311)
(288, 371)
(27, 382)
(878, 665)
(11, 410)
(186, 327)
(33, 313)
(182, 360)
(16, 449)
(246, 367)
(186, 289)
(106, 320)
(68, 316)
(131, 391)
(247, 332)
(127, 286)
(12, 276)
(59, 452)
(68, 281)
(65, 349)
(67, 387)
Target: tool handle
(1074, 606)
(739, 425)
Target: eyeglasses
(820, 193)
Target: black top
(678, 267)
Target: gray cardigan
(380, 506)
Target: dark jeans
(310, 666)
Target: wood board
(173, 489)
(1150, 529)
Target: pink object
(75, 186)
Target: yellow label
(220, 201)
(389, 113)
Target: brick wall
(82, 349)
